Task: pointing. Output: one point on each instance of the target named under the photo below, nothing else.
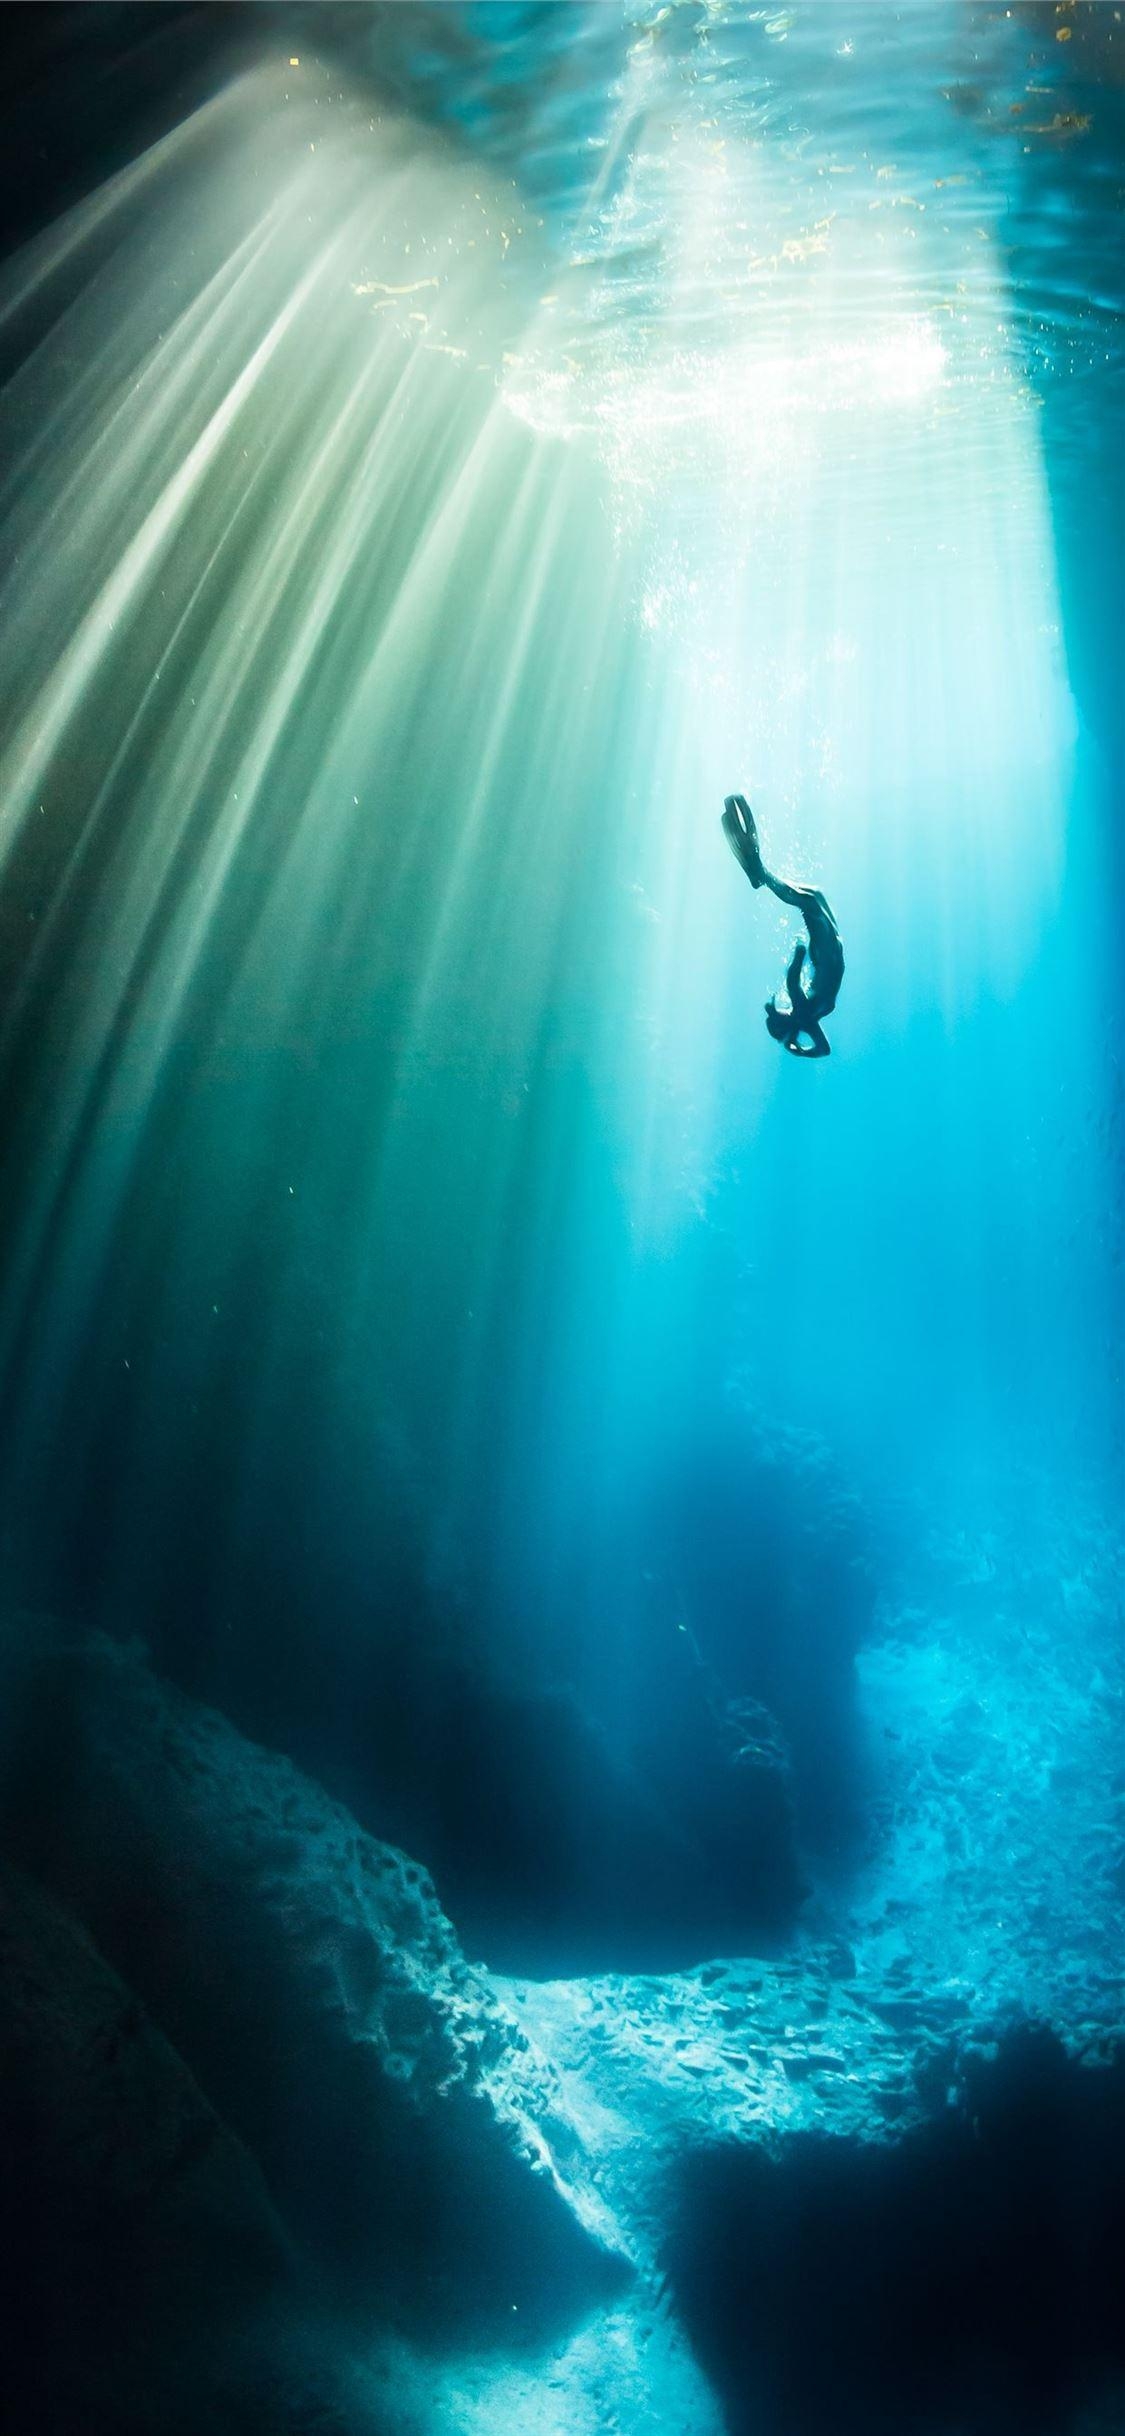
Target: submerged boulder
(148, 2280)
(309, 1978)
(966, 2274)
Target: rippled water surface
(761, 217)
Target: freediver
(825, 953)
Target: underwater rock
(570, 1822)
(148, 2281)
(315, 1988)
(967, 2274)
(81, 2060)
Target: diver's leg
(806, 900)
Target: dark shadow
(967, 2282)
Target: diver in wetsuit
(826, 956)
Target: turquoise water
(387, 1046)
(444, 462)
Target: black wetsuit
(825, 953)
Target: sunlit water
(409, 544)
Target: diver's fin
(742, 837)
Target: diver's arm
(820, 1045)
(798, 995)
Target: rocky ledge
(314, 1990)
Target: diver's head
(778, 1025)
